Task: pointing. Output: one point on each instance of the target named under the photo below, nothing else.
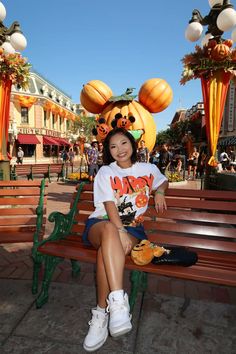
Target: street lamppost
(11, 40)
(214, 64)
(221, 18)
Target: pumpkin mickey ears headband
(102, 129)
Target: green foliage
(174, 134)
(87, 123)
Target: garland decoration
(15, 68)
(207, 60)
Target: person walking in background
(115, 227)
(20, 155)
(143, 152)
(164, 159)
(100, 155)
(71, 155)
(91, 158)
(64, 155)
(224, 160)
(193, 163)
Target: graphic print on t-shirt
(132, 195)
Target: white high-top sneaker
(98, 332)
(120, 318)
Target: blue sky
(122, 43)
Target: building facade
(41, 120)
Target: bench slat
(197, 272)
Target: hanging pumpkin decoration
(155, 95)
(220, 52)
(95, 95)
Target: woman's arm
(159, 197)
(114, 217)
(113, 214)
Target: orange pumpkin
(144, 252)
(156, 95)
(220, 52)
(143, 119)
(95, 95)
(141, 200)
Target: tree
(85, 123)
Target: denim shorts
(136, 231)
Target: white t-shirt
(129, 188)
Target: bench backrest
(22, 169)
(22, 210)
(40, 168)
(200, 219)
(56, 167)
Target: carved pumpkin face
(123, 123)
(144, 252)
(141, 200)
(103, 130)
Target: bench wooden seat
(22, 211)
(202, 220)
(32, 170)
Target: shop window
(24, 115)
(45, 118)
(53, 121)
(29, 150)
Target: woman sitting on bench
(121, 192)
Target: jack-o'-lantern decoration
(102, 129)
(220, 52)
(141, 200)
(96, 97)
(144, 252)
(122, 122)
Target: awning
(62, 141)
(229, 140)
(48, 140)
(27, 139)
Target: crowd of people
(166, 159)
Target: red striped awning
(25, 139)
(48, 140)
(62, 141)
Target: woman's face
(121, 150)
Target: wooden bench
(22, 211)
(44, 170)
(202, 220)
(20, 170)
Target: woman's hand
(126, 242)
(160, 202)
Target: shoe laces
(97, 320)
(116, 305)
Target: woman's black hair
(107, 158)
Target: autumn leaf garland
(15, 68)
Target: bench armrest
(62, 222)
(39, 212)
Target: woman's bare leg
(105, 237)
